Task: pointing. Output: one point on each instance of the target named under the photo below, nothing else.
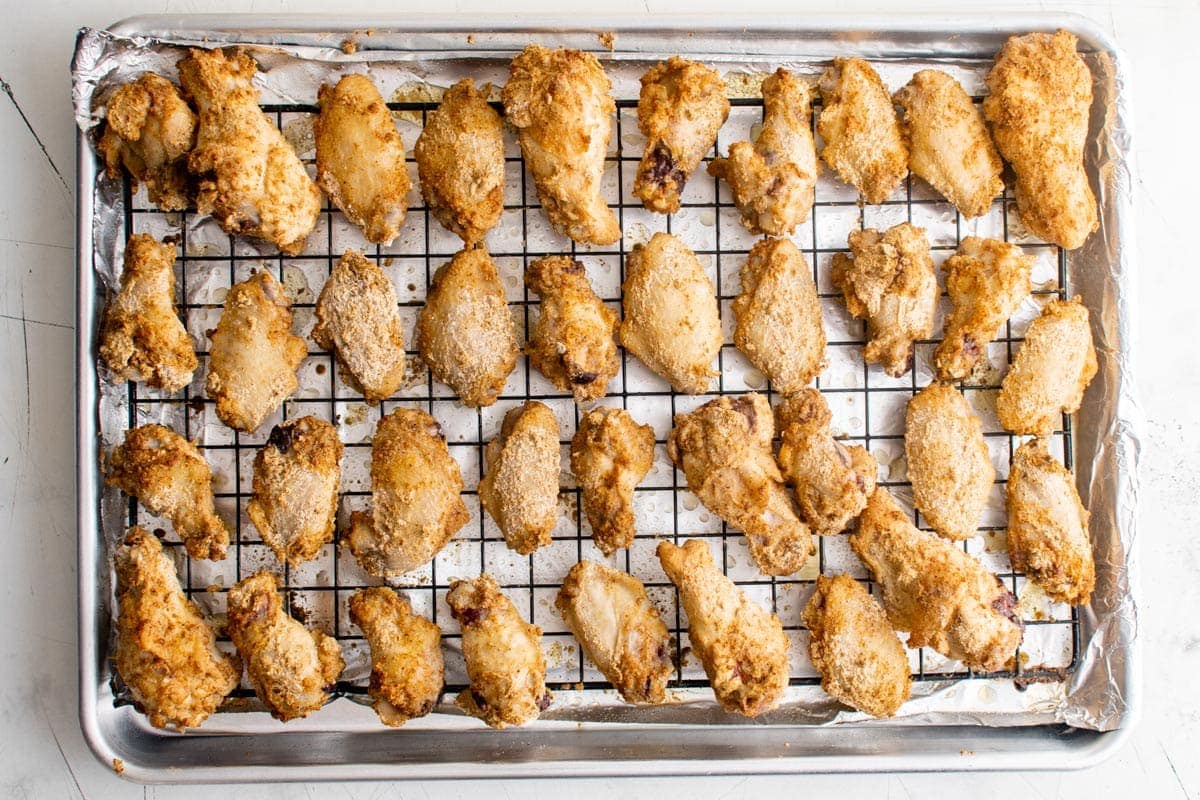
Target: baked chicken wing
(520, 487)
(610, 454)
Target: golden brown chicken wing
(520, 487)
(610, 454)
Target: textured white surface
(42, 753)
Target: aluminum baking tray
(1068, 702)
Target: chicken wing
(296, 479)
(1048, 526)
(986, 280)
(774, 179)
(619, 630)
(465, 332)
(358, 318)
(167, 474)
(852, 644)
(863, 141)
(610, 454)
(520, 487)
(1041, 96)
(288, 665)
(572, 343)
(949, 146)
(142, 338)
(149, 130)
(460, 161)
(778, 316)
(724, 450)
(671, 318)
(360, 157)
(415, 502)
(560, 102)
(680, 110)
(166, 652)
(406, 654)
(940, 594)
(254, 355)
(1052, 369)
(504, 656)
(888, 280)
(249, 178)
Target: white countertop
(42, 753)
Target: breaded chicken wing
(681, 107)
(1053, 367)
(149, 130)
(415, 502)
(560, 102)
(465, 332)
(572, 343)
(610, 454)
(167, 474)
(288, 665)
(520, 487)
(620, 631)
(504, 656)
(987, 280)
(166, 652)
(724, 450)
(296, 479)
(852, 644)
(941, 595)
(142, 338)
(1041, 97)
(460, 161)
(358, 318)
(671, 318)
(742, 645)
(250, 179)
(774, 179)
(406, 655)
(778, 316)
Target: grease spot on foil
(415, 92)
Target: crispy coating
(358, 318)
(671, 318)
(987, 280)
(254, 355)
(296, 479)
(505, 662)
(610, 454)
(620, 631)
(572, 343)
(774, 179)
(407, 673)
(778, 316)
(416, 506)
(288, 665)
(149, 130)
(949, 146)
(166, 651)
(681, 107)
(852, 644)
(948, 461)
(560, 102)
(460, 161)
(888, 280)
(249, 178)
(941, 595)
(742, 645)
(167, 474)
(863, 141)
(360, 157)
(465, 332)
(143, 339)
(1053, 367)
(832, 482)
(724, 450)
(1041, 96)
(520, 487)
